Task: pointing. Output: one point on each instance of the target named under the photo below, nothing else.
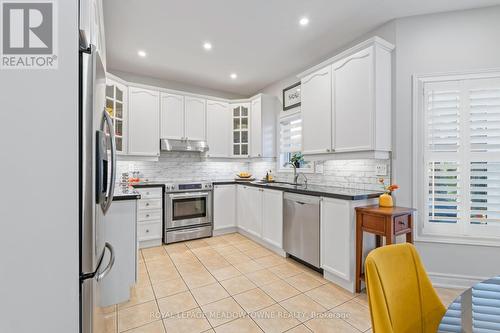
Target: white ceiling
(260, 40)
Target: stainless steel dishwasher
(301, 227)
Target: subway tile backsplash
(359, 174)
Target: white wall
(455, 41)
(130, 77)
(39, 274)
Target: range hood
(183, 145)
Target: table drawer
(149, 215)
(373, 223)
(400, 223)
(147, 231)
(149, 204)
(150, 192)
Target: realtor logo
(28, 35)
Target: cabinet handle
(147, 203)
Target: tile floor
(232, 284)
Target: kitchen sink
(279, 184)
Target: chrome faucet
(303, 175)
(295, 175)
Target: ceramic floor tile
(355, 314)
(285, 270)
(225, 273)
(209, 293)
(138, 315)
(138, 295)
(274, 319)
(248, 267)
(227, 250)
(362, 299)
(270, 261)
(154, 327)
(262, 277)
(177, 303)
(153, 252)
(170, 287)
(327, 323)
(197, 280)
(238, 285)
(299, 329)
(164, 274)
(238, 258)
(329, 295)
(242, 325)
(303, 307)
(176, 248)
(192, 321)
(223, 311)
(303, 282)
(280, 290)
(257, 253)
(110, 324)
(253, 300)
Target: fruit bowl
(244, 175)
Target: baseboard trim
(225, 230)
(454, 280)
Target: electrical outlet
(381, 169)
(318, 167)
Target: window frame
(442, 233)
(279, 165)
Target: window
(458, 146)
(291, 142)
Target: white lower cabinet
(224, 208)
(150, 217)
(260, 214)
(338, 243)
(272, 217)
(120, 231)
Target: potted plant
(297, 159)
(385, 200)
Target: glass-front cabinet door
(116, 104)
(240, 129)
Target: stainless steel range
(188, 211)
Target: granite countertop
(311, 189)
(148, 184)
(125, 194)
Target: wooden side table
(387, 222)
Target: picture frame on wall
(291, 96)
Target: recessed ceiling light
(233, 76)
(304, 21)
(207, 46)
(142, 53)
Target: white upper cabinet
(346, 105)
(240, 129)
(316, 108)
(256, 128)
(116, 106)
(144, 138)
(172, 116)
(218, 129)
(195, 118)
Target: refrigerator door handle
(91, 275)
(111, 262)
(106, 120)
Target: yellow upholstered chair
(400, 294)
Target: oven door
(188, 209)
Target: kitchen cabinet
(254, 210)
(195, 118)
(346, 104)
(120, 231)
(150, 216)
(242, 207)
(337, 243)
(172, 116)
(143, 127)
(362, 96)
(240, 129)
(218, 129)
(116, 106)
(224, 207)
(316, 109)
(272, 217)
(263, 114)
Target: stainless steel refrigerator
(97, 177)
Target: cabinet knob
(147, 215)
(147, 204)
(328, 150)
(147, 230)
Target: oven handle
(189, 195)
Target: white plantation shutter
(461, 155)
(291, 134)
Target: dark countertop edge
(306, 192)
(123, 197)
